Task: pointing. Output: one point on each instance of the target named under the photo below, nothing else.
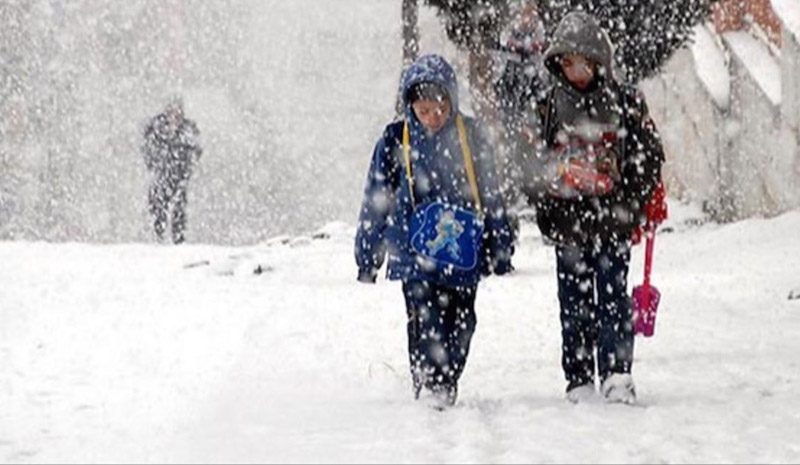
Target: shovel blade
(645, 306)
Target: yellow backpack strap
(465, 150)
(468, 163)
(407, 157)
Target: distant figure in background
(524, 78)
(522, 84)
(170, 149)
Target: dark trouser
(441, 322)
(595, 311)
(166, 193)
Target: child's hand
(587, 178)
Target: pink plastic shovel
(646, 297)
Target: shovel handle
(648, 259)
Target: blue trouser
(595, 311)
(441, 322)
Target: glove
(656, 212)
(586, 178)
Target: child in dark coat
(603, 162)
(432, 205)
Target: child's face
(433, 114)
(528, 16)
(579, 70)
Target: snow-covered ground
(273, 353)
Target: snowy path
(123, 354)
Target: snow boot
(619, 389)
(440, 397)
(584, 393)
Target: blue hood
(429, 68)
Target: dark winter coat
(171, 153)
(638, 151)
(439, 175)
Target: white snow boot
(619, 389)
(440, 398)
(585, 393)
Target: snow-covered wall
(755, 167)
(687, 119)
(690, 101)
(789, 13)
(722, 107)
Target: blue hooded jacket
(439, 176)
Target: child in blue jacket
(433, 206)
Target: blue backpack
(447, 237)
